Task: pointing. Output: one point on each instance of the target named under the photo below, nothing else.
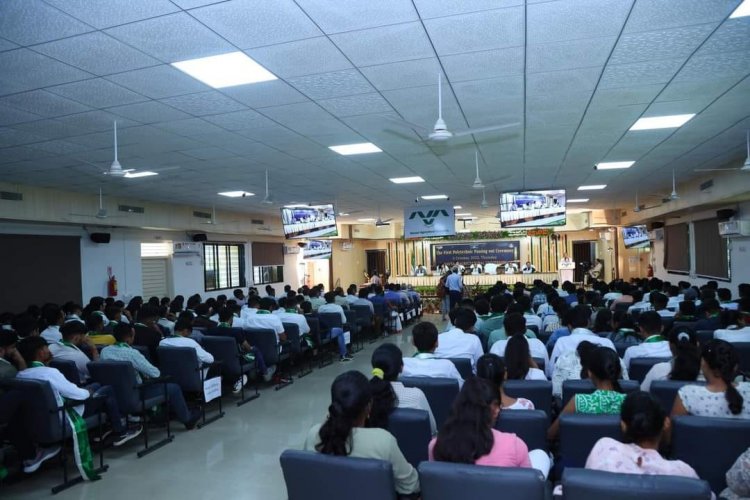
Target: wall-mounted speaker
(655, 225)
(725, 214)
(99, 237)
(200, 237)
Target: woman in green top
(602, 365)
(344, 432)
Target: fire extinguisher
(112, 286)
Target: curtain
(711, 256)
(268, 254)
(677, 248)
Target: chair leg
(144, 411)
(244, 399)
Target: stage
(477, 279)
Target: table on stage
(474, 279)
(567, 269)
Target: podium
(566, 270)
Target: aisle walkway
(235, 457)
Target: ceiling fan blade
(715, 169)
(404, 136)
(407, 124)
(165, 169)
(387, 220)
(482, 130)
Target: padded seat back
(440, 393)
(743, 349)
(314, 324)
(710, 445)
(448, 481)
(572, 387)
(293, 337)
(538, 392)
(411, 428)
(463, 365)
(68, 368)
(181, 363)
(529, 425)
(266, 341)
(639, 367)
(314, 476)
(362, 314)
(44, 422)
(533, 328)
(121, 376)
(579, 433)
(330, 320)
(704, 336)
(665, 391)
(224, 349)
(585, 484)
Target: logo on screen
(429, 217)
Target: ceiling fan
(484, 203)
(382, 222)
(673, 195)
(267, 199)
(744, 168)
(440, 132)
(101, 213)
(638, 207)
(478, 184)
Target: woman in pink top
(490, 367)
(467, 435)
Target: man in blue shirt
(455, 287)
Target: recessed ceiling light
(591, 187)
(355, 149)
(742, 10)
(656, 122)
(343, 214)
(369, 219)
(225, 70)
(614, 165)
(435, 197)
(457, 207)
(578, 200)
(465, 214)
(137, 175)
(236, 194)
(406, 180)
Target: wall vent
(130, 209)
(257, 222)
(707, 185)
(7, 195)
(201, 215)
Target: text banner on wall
(484, 252)
(426, 221)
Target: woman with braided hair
(721, 396)
(344, 432)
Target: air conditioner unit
(732, 228)
(186, 248)
(291, 250)
(656, 234)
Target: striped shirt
(413, 397)
(133, 356)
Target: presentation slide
(635, 236)
(318, 249)
(316, 221)
(532, 208)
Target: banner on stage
(484, 252)
(426, 221)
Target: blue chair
(297, 348)
(579, 433)
(529, 425)
(233, 364)
(313, 476)
(639, 367)
(463, 365)
(538, 392)
(68, 368)
(411, 428)
(704, 336)
(665, 391)
(585, 484)
(266, 341)
(572, 387)
(449, 481)
(440, 393)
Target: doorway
(318, 271)
(375, 261)
(584, 253)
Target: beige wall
(348, 265)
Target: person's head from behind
(253, 301)
(720, 361)
(148, 315)
(464, 319)
(203, 310)
(482, 306)
(8, 341)
(658, 300)
(267, 304)
(73, 332)
(351, 399)
(425, 337)
(329, 297)
(603, 321)
(238, 294)
(270, 291)
(52, 315)
(517, 358)
(123, 333)
(643, 420)
(498, 303)
(113, 313)
(466, 434)
(363, 293)
(711, 307)
(226, 316)
(183, 327)
(514, 324)
(25, 325)
(649, 323)
(604, 368)
(620, 320)
(584, 350)
(686, 361)
(687, 308)
(491, 367)
(387, 362)
(34, 349)
(580, 317)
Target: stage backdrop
(426, 221)
(484, 252)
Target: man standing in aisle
(455, 285)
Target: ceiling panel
(416, 73)
(572, 54)
(361, 104)
(43, 103)
(387, 44)
(484, 64)
(158, 82)
(27, 70)
(662, 14)
(334, 84)
(302, 57)
(265, 94)
(204, 103)
(441, 8)
(674, 43)
(358, 14)
(642, 73)
(106, 14)
(97, 93)
(492, 29)
(575, 19)
(27, 22)
(149, 112)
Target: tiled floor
(235, 457)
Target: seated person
(721, 396)
(388, 393)
(202, 318)
(344, 432)
(70, 347)
(287, 312)
(424, 363)
(361, 299)
(518, 361)
(36, 355)
(738, 479)
(460, 341)
(686, 311)
(181, 338)
(491, 368)
(711, 317)
(653, 344)
(515, 325)
(579, 316)
(531, 318)
(54, 318)
(659, 303)
(263, 318)
(501, 334)
(643, 423)
(147, 334)
(528, 268)
(96, 333)
(685, 363)
(603, 369)
(498, 305)
(164, 320)
(742, 331)
(468, 436)
(25, 325)
(623, 330)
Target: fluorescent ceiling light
(614, 165)
(343, 214)
(457, 207)
(434, 197)
(465, 214)
(591, 187)
(467, 219)
(236, 194)
(578, 200)
(225, 70)
(742, 10)
(355, 149)
(369, 219)
(137, 175)
(406, 180)
(656, 122)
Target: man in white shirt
(342, 337)
(315, 299)
(363, 301)
(69, 347)
(460, 341)
(531, 318)
(251, 307)
(264, 319)
(351, 294)
(425, 363)
(515, 324)
(741, 334)
(654, 345)
(580, 316)
(54, 318)
(528, 268)
(659, 303)
(375, 279)
(455, 285)
(289, 314)
(510, 268)
(181, 338)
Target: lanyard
(653, 338)
(123, 344)
(263, 311)
(68, 344)
(36, 364)
(224, 324)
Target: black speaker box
(200, 237)
(100, 237)
(655, 225)
(725, 214)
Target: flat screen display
(635, 236)
(318, 249)
(309, 221)
(532, 208)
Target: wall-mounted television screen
(532, 208)
(635, 236)
(309, 221)
(318, 249)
